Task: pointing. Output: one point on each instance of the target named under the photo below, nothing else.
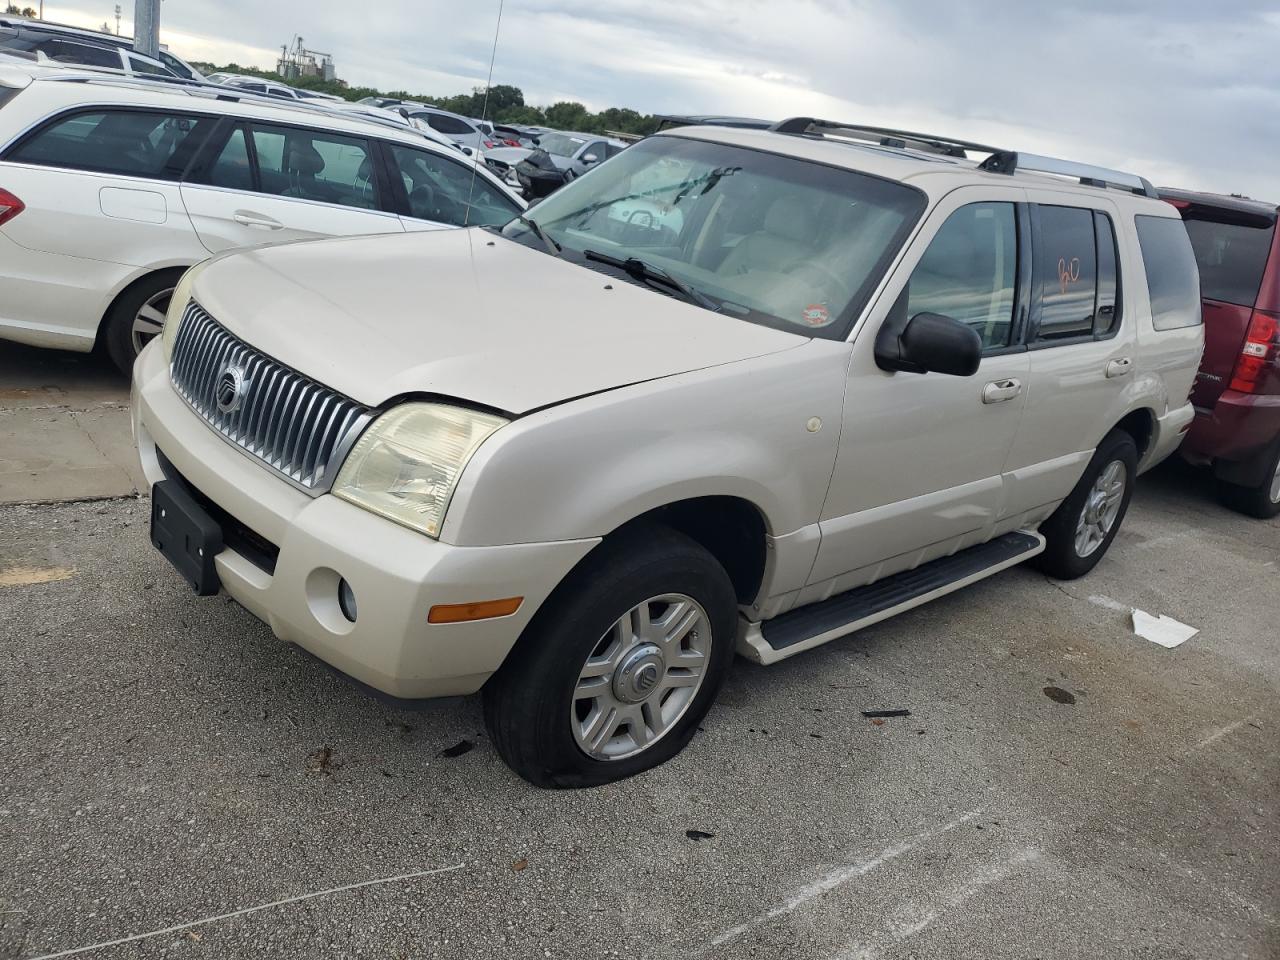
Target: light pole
(146, 27)
(117, 19)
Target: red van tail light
(10, 206)
(1259, 350)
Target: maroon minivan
(1237, 393)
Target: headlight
(406, 465)
(177, 305)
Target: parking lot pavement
(64, 428)
(1061, 788)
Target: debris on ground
(520, 864)
(873, 714)
(1058, 695)
(320, 761)
(458, 749)
(699, 835)
(1163, 630)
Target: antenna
(484, 114)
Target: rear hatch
(1233, 244)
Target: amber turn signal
(483, 610)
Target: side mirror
(589, 158)
(929, 342)
(404, 112)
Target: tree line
(505, 104)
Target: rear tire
(137, 317)
(596, 690)
(1081, 530)
(1263, 499)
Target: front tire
(619, 667)
(1081, 530)
(137, 317)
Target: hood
(464, 314)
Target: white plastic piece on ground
(1163, 630)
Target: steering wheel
(837, 284)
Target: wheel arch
(1140, 424)
(127, 287)
(732, 529)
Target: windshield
(560, 144)
(772, 239)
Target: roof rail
(998, 160)
(885, 136)
(218, 91)
(1086, 173)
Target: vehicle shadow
(30, 376)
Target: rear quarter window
(1232, 258)
(1173, 280)
(132, 142)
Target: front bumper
(397, 575)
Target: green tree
(568, 115)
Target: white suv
(110, 188)
(763, 388)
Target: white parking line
(836, 878)
(247, 910)
(1219, 734)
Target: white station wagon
(110, 188)
(764, 388)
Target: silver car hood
(464, 314)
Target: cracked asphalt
(1061, 788)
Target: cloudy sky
(1185, 93)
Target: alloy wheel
(149, 320)
(641, 677)
(1101, 508)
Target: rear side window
(146, 66)
(1066, 272)
(1232, 258)
(314, 165)
(1173, 280)
(969, 272)
(231, 169)
(64, 51)
(448, 125)
(130, 142)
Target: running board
(809, 626)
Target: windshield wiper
(648, 273)
(553, 248)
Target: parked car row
(767, 385)
(110, 188)
(58, 43)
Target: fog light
(347, 600)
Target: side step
(815, 624)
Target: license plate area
(187, 536)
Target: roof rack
(218, 91)
(998, 160)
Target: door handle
(247, 218)
(1118, 367)
(998, 391)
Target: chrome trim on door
(998, 391)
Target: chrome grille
(295, 425)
